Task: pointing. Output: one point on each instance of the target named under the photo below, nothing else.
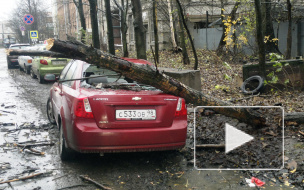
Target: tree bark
(270, 46)
(140, 39)
(189, 35)
(94, 24)
(155, 24)
(186, 60)
(260, 39)
(222, 43)
(289, 36)
(111, 47)
(79, 6)
(124, 26)
(171, 25)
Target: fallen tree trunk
(295, 117)
(149, 75)
(36, 53)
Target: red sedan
(98, 110)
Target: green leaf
(227, 65)
(286, 81)
(286, 64)
(277, 64)
(274, 79)
(271, 74)
(227, 77)
(279, 69)
(218, 87)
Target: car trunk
(129, 109)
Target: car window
(70, 73)
(64, 71)
(109, 79)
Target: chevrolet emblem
(136, 98)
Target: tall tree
(155, 24)
(140, 40)
(270, 45)
(171, 25)
(189, 35)
(289, 36)
(232, 16)
(260, 38)
(186, 60)
(111, 47)
(79, 6)
(94, 23)
(124, 27)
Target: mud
(23, 119)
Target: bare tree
(37, 10)
(189, 35)
(232, 15)
(111, 48)
(171, 25)
(124, 27)
(186, 60)
(79, 6)
(155, 24)
(260, 38)
(289, 36)
(270, 45)
(140, 40)
(94, 23)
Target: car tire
(251, 79)
(65, 152)
(33, 74)
(40, 79)
(9, 65)
(20, 68)
(50, 112)
(27, 70)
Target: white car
(25, 62)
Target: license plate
(59, 62)
(136, 114)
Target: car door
(56, 92)
(69, 93)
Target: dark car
(12, 60)
(98, 110)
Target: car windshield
(100, 78)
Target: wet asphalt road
(23, 101)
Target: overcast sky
(7, 6)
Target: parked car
(42, 66)
(8, 41)
(98, 110)
(25, 62)
(12, 60)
